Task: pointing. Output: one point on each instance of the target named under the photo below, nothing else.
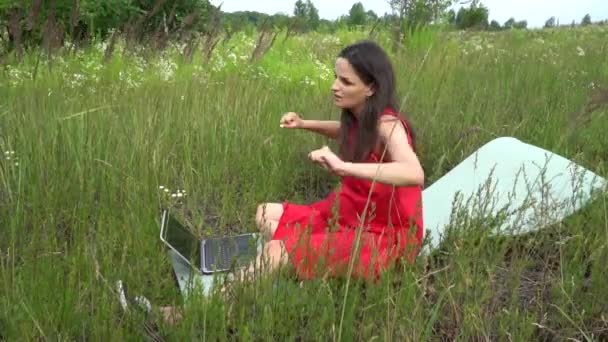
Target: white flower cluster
(325, 72)
(129, 78)
(16, 75)
(11, 157)
(177, 194)
(166, 68)
(308, 81)
(331, 40)
(76, 80)
(218, 63)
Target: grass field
(87, 145)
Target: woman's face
(350, 92)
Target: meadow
(93, 148)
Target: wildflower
(308, 81)
(167, 69)
(9, 154)
(161, 187)
(232, 57)
(580, 51)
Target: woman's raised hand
(291, 120)
(328, 160)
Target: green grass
(81, 208)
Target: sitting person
(381, 180)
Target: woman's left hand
(329, 160)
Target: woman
(380, 191)
(381, 183)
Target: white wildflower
(167, 68)
(308, 81)
(232, 57)
(580, 51)
(76, 80)
(161, 187)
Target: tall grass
(79, 205)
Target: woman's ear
(371, 90)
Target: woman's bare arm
(403, 170)
(330, 129)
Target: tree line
(50, 23)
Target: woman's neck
(357, 112)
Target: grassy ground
(93, 142)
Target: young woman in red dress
(375, 217)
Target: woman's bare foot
(171, 315)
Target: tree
(299, 9)
(50, 21)
(451, 17)
(550, 22)
(419, 11)
(586, 20)
(412, 13)
(509, 24)
(357, 15)
(475, 16)
(521, 25)
(371, 16)
(495, 26)
(312, 14)
(306, 15)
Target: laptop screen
(183, 241)
(224, 252)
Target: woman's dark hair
(373, 66)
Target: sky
(536, 12)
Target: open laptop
(218, 254)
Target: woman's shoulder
(387, 120)
(390, 115)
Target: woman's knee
(268, 212)
(275, 251)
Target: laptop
(217, 254)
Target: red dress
(320, 237)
